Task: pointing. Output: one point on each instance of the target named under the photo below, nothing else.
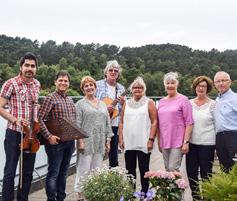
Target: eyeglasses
(221, 81)
(113, 70)
(201, 86)
(137, 87)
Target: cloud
(202, 24)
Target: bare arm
(187, 136)
(153, 118)
(121, 142)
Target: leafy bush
(108, 184)
(221, 186)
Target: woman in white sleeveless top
(137, 131)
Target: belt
(227, 132)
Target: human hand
(110, 108)
(53, 139)
(185, 148)
(121, 99)
(22, 122)
(81, 146)
(160, 149)
(150, 145)
(107, 146)
(121, 144)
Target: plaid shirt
(22, 99)
(56, 106)
(102, 92)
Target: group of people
(195, 127)
(198, 127)
(20, 95)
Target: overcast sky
(199, 24)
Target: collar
(22, 81)
(225, 94)
(64, 95)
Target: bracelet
(151, 139)
(186, 141)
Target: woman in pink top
(175, 124)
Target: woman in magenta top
(174, 124)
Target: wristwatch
(186, 141)
(151, 139)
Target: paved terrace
(155, 164)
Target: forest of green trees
(150, 61)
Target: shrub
(221, 186)
(108, 184)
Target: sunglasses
(113, 70)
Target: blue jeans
(12, 151)
(59, 157)
(113, 153)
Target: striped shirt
(56, 106)
(22, 99)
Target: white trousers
(84, 166)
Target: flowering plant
(107, 184)
(168, 186)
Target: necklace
(200, 102)
(136, 104)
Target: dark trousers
(59, 157)
(199, 157)
(226, 148)
(131, 157)
(12, 151)
(113, 153)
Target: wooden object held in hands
(65, 129)
(109, 101)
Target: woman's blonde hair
(138, 81)
(87, 79)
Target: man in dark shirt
(57, 105)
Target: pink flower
(169, 185)
(177, 174)
(181, 183)
(150, 174)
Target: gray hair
(171, 76)
(139, 81)
(223, 73)
(112, 64)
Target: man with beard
(21, 95)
